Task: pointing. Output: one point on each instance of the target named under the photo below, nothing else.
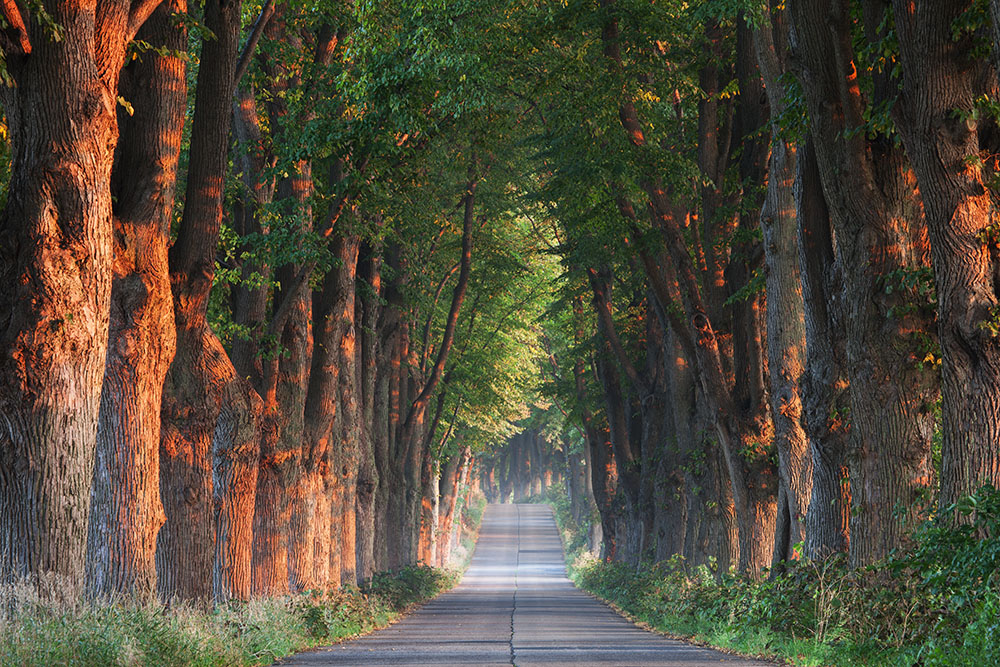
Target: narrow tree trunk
(451, 482)
(430, 509)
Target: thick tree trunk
(201, 371)
(825, 393)
(941, 89)
(739, 413)
(786, 340)
(56, 258)
(394, 346)
(380, 448)
(786, 334)
(328, 457)
(272, 511)
(126, 510)
(367, 313)
(349, 403)
(670, 506)
(293, 380)
(879, 232)
(236, 452)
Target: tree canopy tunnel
(289, 286)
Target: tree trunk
(126, 512)
(825, 393)
(367, 312)
(327, 455)
(412, 443)
(786, 341)
(293, 381)
(386, 412)
(879, 236)
(941, 89)
(56, 258)
(351, 433)
(201, 371)
(236, 453)
(430, 509)
(451, 482)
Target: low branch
(602, 306)
(18, 24)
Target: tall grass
(39, 629)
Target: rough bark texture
(236, 454)
(739, 411)
(126, 510)
(201, 370)
(786, 332)
(56, 261)
(367, 313)
(879, 232)
(825, 395)
(349, 401)
(941, 83)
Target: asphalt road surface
(515, 606)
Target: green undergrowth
(250, 633)
(52, 627)
(937, 604)
(471, 519)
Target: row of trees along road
(267, 293)
(282, 279)
(776, 320)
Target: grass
(42, 625)
(936, 604)
(258, 632)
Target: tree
(63, 61)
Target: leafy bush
(936, 604)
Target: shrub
(936, 604)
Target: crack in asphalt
(517, 563)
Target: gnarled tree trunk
(126, 512)
(56, 264)
(201, 371)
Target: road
(515, 606)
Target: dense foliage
(935, 605)
(288, 283)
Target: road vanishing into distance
(515, 606)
